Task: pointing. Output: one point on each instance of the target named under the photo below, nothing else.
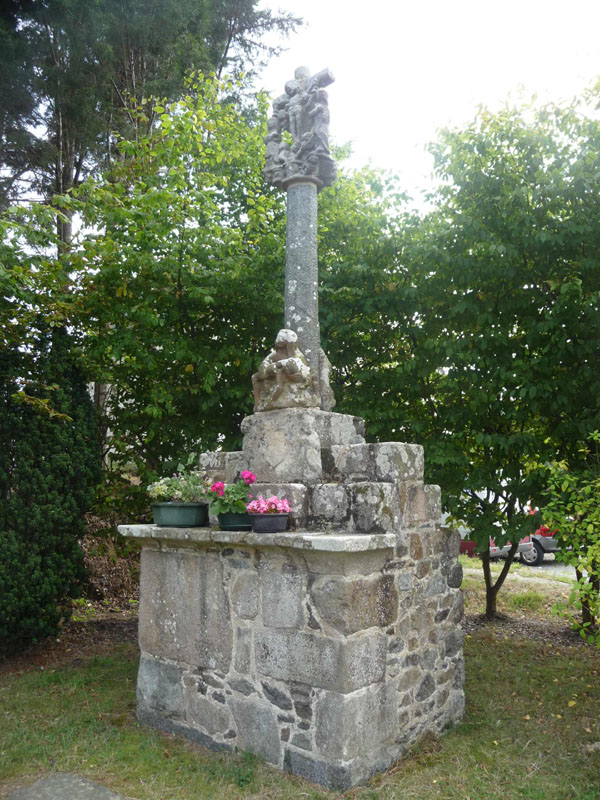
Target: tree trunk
(588, 606)
(492, 589)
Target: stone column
(301, 270)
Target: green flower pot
(180, 515)
(234, 521)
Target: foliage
(476, 334)
(186, 234)
(572, 510)
(364, 286)
(182, 487)
(49, 464)
(232, 498)
(69, 69)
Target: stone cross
(298, 160)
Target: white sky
(405, 68)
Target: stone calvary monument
(328, 649)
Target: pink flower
(272, 505)
(248, 477)
(218, 488)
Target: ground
(531, 730)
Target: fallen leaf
(572, 703)
(526, 716)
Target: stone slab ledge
(296, 540)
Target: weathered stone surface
(244, 594)
(212, 716)
(351, 605)
(222, 466)
(168, 582)
(64, 787)
(213, 631)
(349, 725)
(242, 686)
(454, 642)
(416, 547)
(314, 541)
(329, 505)
(160, 686)
(281, 599)
(348, 563)
(458, 608)
(242, 660)
(296, 493)
(312, 614)
(277, 697)
(331, 775)
(419, 504)
(340, 665)
(383, 461)
(303, 114)
(437, 585)
(283, 446)
(425, 688)
(375, 507)
(433, 499)
(284, 379)
(213, 460)
(301, 740)
(351, 463)
(173, 584)
(397, 461)
(257, 728)
(455, 576)
(404, 581)
(338, 429)
(235, 463)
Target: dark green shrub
(49, 465)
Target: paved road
(549, 568)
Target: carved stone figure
(284, 379)
(303, 114)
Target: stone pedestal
(328, 650)
(326, 654)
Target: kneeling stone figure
(284, 379)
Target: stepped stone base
(325, 654)
(329, 649)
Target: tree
(70, 69)
(478, 337)
(572, 511)
(49, 465)
(181, 284)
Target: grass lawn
(531, 730)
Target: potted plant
(181, 500)
(229, 503)
(270, 515)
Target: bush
(49, 465)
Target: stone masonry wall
(327, 663)
(328, 649)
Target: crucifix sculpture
(298, 160)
